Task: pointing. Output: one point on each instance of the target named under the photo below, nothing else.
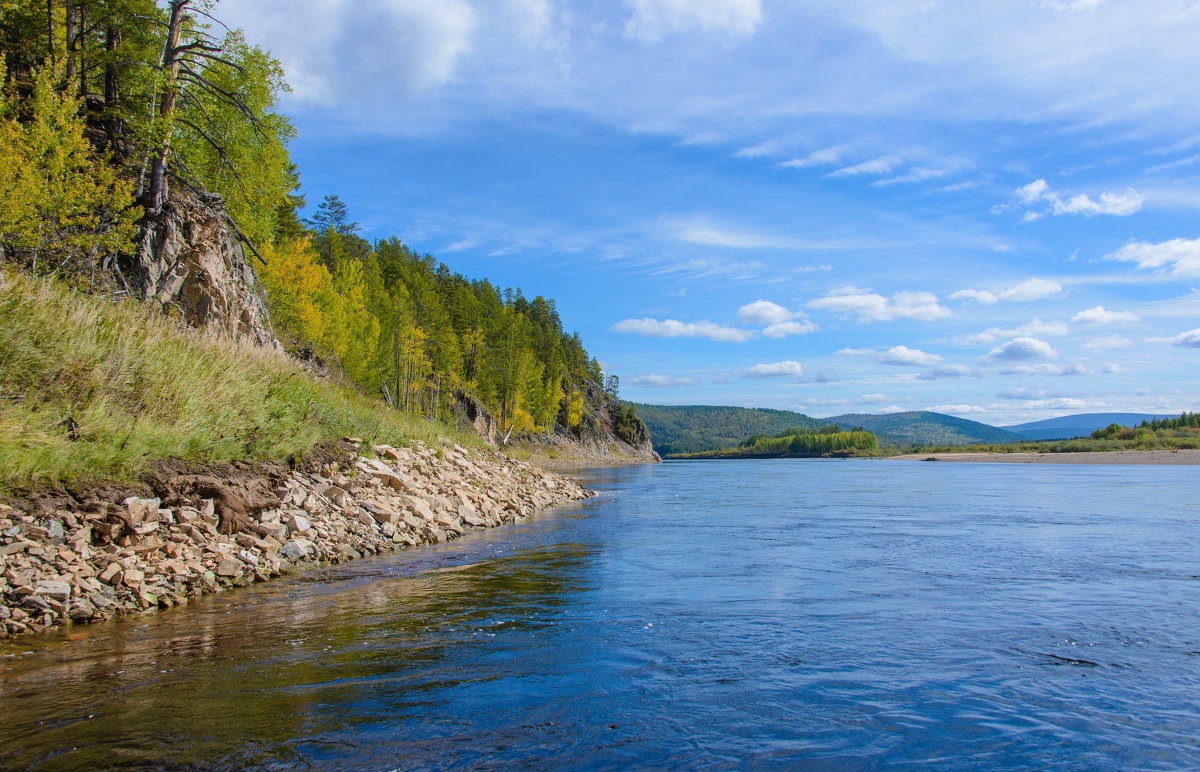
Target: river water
(700, 615)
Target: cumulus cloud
(944, 372)
(779, 321)
(873, 307)
(656, 381)
(1021, 349)
(1030, 289)
(786, 369)
(763, 312)
(1099, 315)
(1033, 328)
(1039, 194)
(872, 399)
(1177, 257)
(671, 328)
(981, 296)
(903, 355)
(1189, 339)
(655, 19)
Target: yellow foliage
(58, 200)
(299, 290)
(574, 409)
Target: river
(701, 615)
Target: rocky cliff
(193, 259)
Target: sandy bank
(71, 557)
(1166, 457)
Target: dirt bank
(87, 552)
(1168, 457)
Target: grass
(99, 389)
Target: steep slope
(919, 427)
(1080, 425)
(697, 428)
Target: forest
(830, 441)
(110, 107)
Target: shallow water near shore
(726, 614)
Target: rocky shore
(72, 559)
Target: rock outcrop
(194, 260)
(192, 532)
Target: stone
(141, 510)
(132, 578)
(420, 507)
(229, 568)
(53, 589)
(297, 524)
(112, 574)
(296, 549)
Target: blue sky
(987, 209)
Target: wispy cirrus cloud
(1031, 289)
(657, 381)
(1033, 328)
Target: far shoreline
(1111, 457)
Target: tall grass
(92, 388)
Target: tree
(61, 206)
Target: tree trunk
(81, 48)
(69, 30)
(158, 173)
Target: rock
(420, 506)
(296, 549)
(53, 589)
(112, 574)
(297, 524)
(141, 510)
(133, 578)
(229, 568)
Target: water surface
(711, 615)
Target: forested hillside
(120, 119)
(696, 428)
(830, 441)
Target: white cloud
(787, 369)
(1045, 368)
(1099, 315)
(784, 329)
(982, 296)
(338, 51)
(1062, 403)
(956, 409)
(764, 312)
(873, 307)
(1189, 339)
(1020, 349)
(944, 372)
(1033, 328)
(903, 355)
(1177, 257)
(654, 19)
(780, 321)
(1038, 192)
(1031, 289)
(829, 155)
(882, 165)
(872, 399)
(1110, 342)
(671, 328)
(655, 381)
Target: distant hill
(1081, 425)
(919, 427)
(698, 428)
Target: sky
(985, 208)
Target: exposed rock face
(472, 416)
(607, 433)
(120, 554)
(195, 261)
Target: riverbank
(91, 552)
(1161, 457)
